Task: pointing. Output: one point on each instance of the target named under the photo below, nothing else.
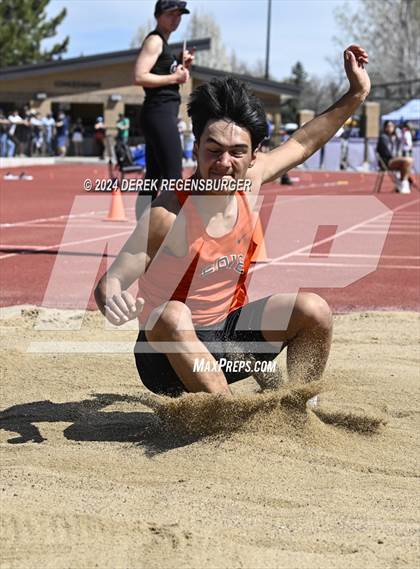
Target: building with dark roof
(102, 84)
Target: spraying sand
(97, 472)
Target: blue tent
(408, 112)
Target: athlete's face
(169, 21)
(224, 151)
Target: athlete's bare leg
(308, 333)
(173, 324)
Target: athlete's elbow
(137, 80)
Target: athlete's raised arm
(315, 133)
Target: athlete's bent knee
(315, 310)
(168, 322)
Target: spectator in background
(24, 130)
(266, 143)
(355, 129)
(77, 137)
(49, 133)
(15, 120)
(388, 149)
(100, 134)
(21, 132)
(182, 127)
(123, 128)
(285, 134)
(37, 133)
(407, 140)
(62, 130)
(7, 146)
(344, 144)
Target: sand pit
(95, 473)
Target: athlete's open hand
(355, 59)
(120, 308)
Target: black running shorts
(232, 335)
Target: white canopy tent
(408, 112)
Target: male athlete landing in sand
(191, 272)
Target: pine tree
(23, 27)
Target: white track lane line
(347, 265)
(114, 225)
(56, 218)
(390, 232)
(361, 256)
(328, 239)
(74, 216)
(61, 245)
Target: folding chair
(125, 163)
(383, 170)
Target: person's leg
(154, 369)
(11, 147)
(172, 332)
(308, 334)
(163, 138)
(403, 164)
(152, 164)
(153, 171)
(3, 139)
(168, 147)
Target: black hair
(386, 123)
(231, 99)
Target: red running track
(35, 225)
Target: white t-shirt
(14, 119)
(407, 140)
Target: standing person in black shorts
(160, 73)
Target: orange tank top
(210, 279)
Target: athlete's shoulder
(255, 175)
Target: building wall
(79, 84)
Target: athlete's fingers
(130, 302)
(122, 304)
(112, 317)
(139, 304)
(359, 53)
(116, 309)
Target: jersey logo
(233, 261)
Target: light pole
(267, 48)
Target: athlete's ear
(254, 155)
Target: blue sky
(301, 29)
